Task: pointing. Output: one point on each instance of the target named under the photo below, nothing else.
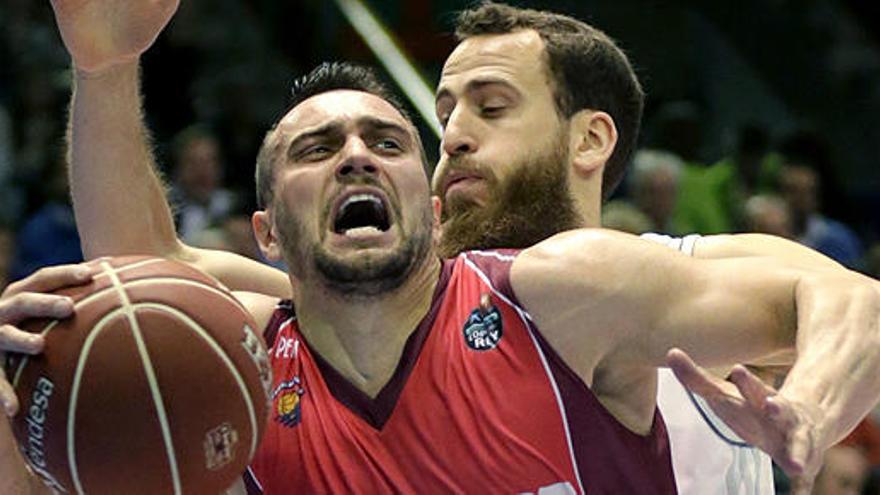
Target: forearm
(838, 346)
(15, 477)
(745, 245)
(118, 197)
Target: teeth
(357, 231)
(361, 197)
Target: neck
(587, 196)
(363, 338)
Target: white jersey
(707, 457)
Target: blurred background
(760, 116)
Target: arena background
(780, 64)
(808, 69)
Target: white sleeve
(684, 244)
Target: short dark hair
(587, 70)
(329, 76)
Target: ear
(593, 138)
(267, 238)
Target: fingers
(751, 387)
(8, 400)
(34, 305)
(52, 278)
(690, 375)
(15, 340)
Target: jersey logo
(483, 328)
(287, 402)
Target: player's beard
(357, 274)
(533, 203)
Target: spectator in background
(768, 214)
(197, 194)
(49, 236)
(844, 472)
(654, 181)
(749, 170)
(801, 188)
(701, 206)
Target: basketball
(157, 384)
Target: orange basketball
(157, 384)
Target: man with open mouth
(503, 371)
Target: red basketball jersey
(478, 404)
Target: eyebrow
(379, 124)
(327, 129)
(476, 85)
(368, 123)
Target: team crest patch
(483, 328)
(286, 397)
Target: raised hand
(25, 299)
(100, 34)
(760, 415)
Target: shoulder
(260, 306)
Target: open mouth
(362, 211)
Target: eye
(388, 144)
(491, 111)
(315, 152)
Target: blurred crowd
(222, 99)
(782, 185)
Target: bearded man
(584, 139)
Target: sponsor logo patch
(483, 329)
(286, 396)
(220, 446)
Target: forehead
(341, 106)
(516, 57)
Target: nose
(357, 161)
(458, 135)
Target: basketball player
(738, 469)
(399, 372)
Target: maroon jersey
(479, 403)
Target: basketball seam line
(197, 328)
(74, 391)
(151, 376)
(95, 295)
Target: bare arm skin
(613, 305)
(788, 253)
(744, 245)
(119, 199)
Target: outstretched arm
(638, 301)
(119, 199)
(762, 245)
